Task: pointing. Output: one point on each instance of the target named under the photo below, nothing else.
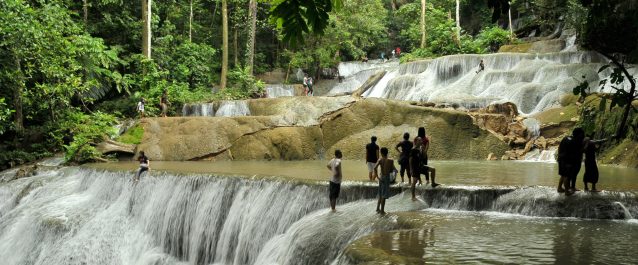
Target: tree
(612, 30)
(222, 82)
(423, 32)
(251, 35)
(146, 35)
(190, 21)
(458, 20)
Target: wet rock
(517, 129)
(26, 171)
(371, 82)
(508, 109)
(110, 146)
(541, 142)
(491, 156)
(495, 123)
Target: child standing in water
(144, 166)
(591, 169)
(335, 180)
(387, 166)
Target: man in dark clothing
(404, 162)
(372, 156)
(570, 156)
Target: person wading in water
(570, 157)
(404, 162)
(372, 156)
(335, 180)
(387, 166)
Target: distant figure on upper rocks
(398, 51)
(140, 107)
(164, 103)
(481, 66)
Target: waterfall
(347, 69)
(233, 108)
(534, 82)
(533, 127)
(279, 90)
(546, 156)
(198, 109)
(84, 216)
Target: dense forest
(73, 68)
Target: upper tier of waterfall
(534, 82)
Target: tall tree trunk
(509, 11)
(17, 98)
(236, 48)
(252, 9)
(458, 21)
(146, 34)
(85, 9)
(423, 33)
(190, 22)
(222, 83)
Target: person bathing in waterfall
(372, 156)
(591, 169)
(387, 167)
(404, 162)
(426, 170)
(144, 166)
(481, 67)
(335, 180)
(570, 157)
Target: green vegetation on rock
(132, 135)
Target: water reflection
(492, 238)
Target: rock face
(343, 124)
(110, 146)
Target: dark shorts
(568, 170)
(334, 190)
(384, 187)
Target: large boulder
(110, 147)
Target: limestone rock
(491, 156)
(541, 142)
(508, 109)
(110, 146)
(517, 129)
(492, 122)
(372, 81)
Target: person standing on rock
(404, 161)
(144, 166)
(387, 167)
(335, 180)
(140, 107)
(570, 156)
(164, 103)
(372, 156)
(426, 169)
(591, 169)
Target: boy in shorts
(372, 156)
(335, 180)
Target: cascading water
(534, 82)
(198, 109)
(279, 90)
(233, 108)
(81, 216)
(545, 156)
(533, 127)
(84, 216)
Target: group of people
(163, 105)
(413, 160)
(570, 157)
(307, 85)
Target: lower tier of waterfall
(89, 216)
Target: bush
(492, 38)
(132, 135)
(86, 130)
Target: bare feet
(561, 190)
(435, 184)
(382, 212)
(413, 198)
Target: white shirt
(140, 106)
(335, 166)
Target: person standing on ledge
(570, 157)
(372, 156)
(140, 107)
(144, 166)
(404, 161)
(164, 103)
(335, 180)
(387, 166)
(481, 66)
(591, 169)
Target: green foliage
(87, 130)
(132, 135)
(492, 38)
(243, 85)
(601, 122)
(5, 115)
(298, 17)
